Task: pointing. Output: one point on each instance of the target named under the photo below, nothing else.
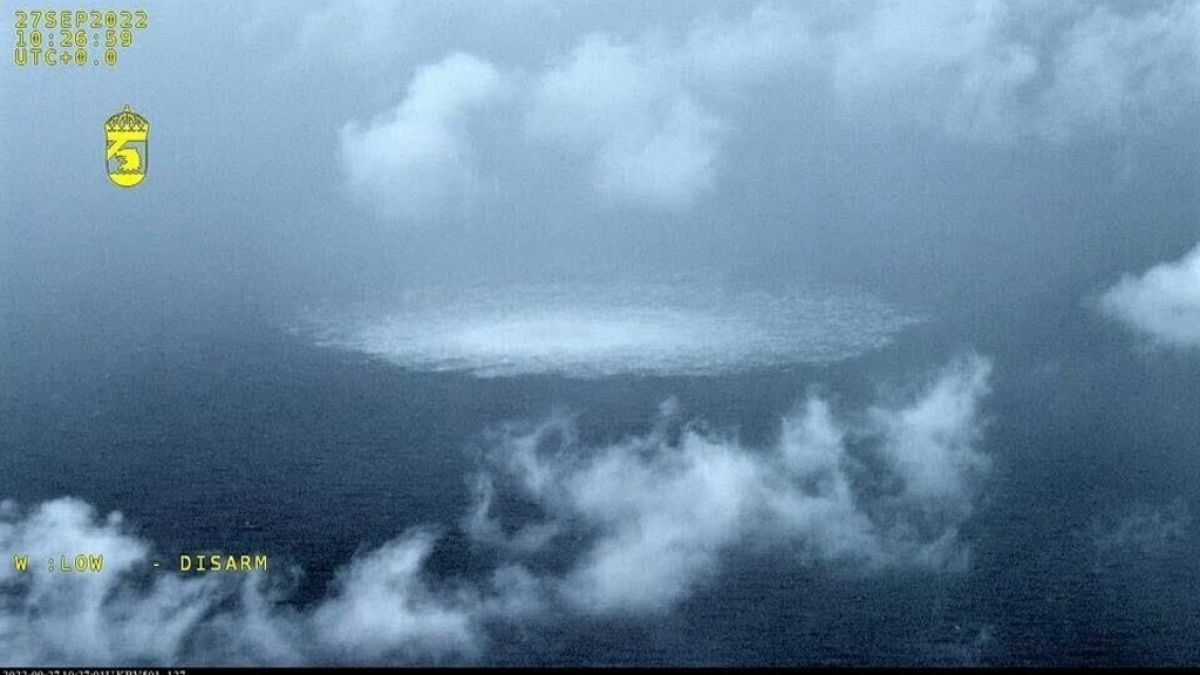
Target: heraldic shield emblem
(127, 141)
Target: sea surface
(231, 431)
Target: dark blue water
(229, 433)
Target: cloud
(649, 139)
(371, 26)
(650, 117)
(1118, 71)
(634, 527)
(1162, 304)
(931, 444)
(632, 110)
(381, 603)
(660, 511)
(644, 111)
(994, 71)
(1142, 530)
(723, 54)
(417, 161)
(382, 609)
(948, 65)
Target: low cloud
(1142, 530)
(647, 113)
(636, 527)
(649, 117)
(417, 161)
(373, 26)
(381, 604)
(946, 65)
(1162, 304)
(381, 608)
(1121, 71)
(661, 510)
(648, 139)
(996, 71)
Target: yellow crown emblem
(127, 120)
(127, 147)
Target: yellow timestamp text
(58, 37)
